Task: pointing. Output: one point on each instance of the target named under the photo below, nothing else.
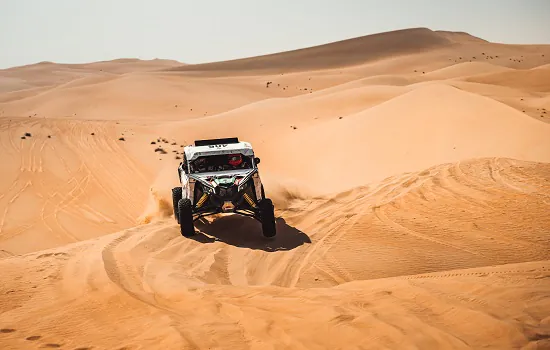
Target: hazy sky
(74, 31)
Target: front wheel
(185, 212)
(267, 217)
(176, 196)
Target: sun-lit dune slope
(465, 69)
(536, 79)
(500, 307)
(450, 216)
(136, 96)
(197, 292)
(431, 124)
(65, 182)
(51, 74)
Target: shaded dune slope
(337, 54)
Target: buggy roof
(194, 152)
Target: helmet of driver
(235, 159)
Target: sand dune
(410, 173)
(199, 292)
(52, 74)
(465, 69)
(57, 189)
(460, 37)
(461, 124)
(456, 47)
(167, 90)
(338, 54)
(536, 79)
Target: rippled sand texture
(410, 172)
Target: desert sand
(410, 172)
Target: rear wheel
(267, 217)
(176, 196)
(185, 212)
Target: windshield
(220, 162)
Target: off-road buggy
(220, 176)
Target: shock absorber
(249, 200)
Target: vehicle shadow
(245, 232)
